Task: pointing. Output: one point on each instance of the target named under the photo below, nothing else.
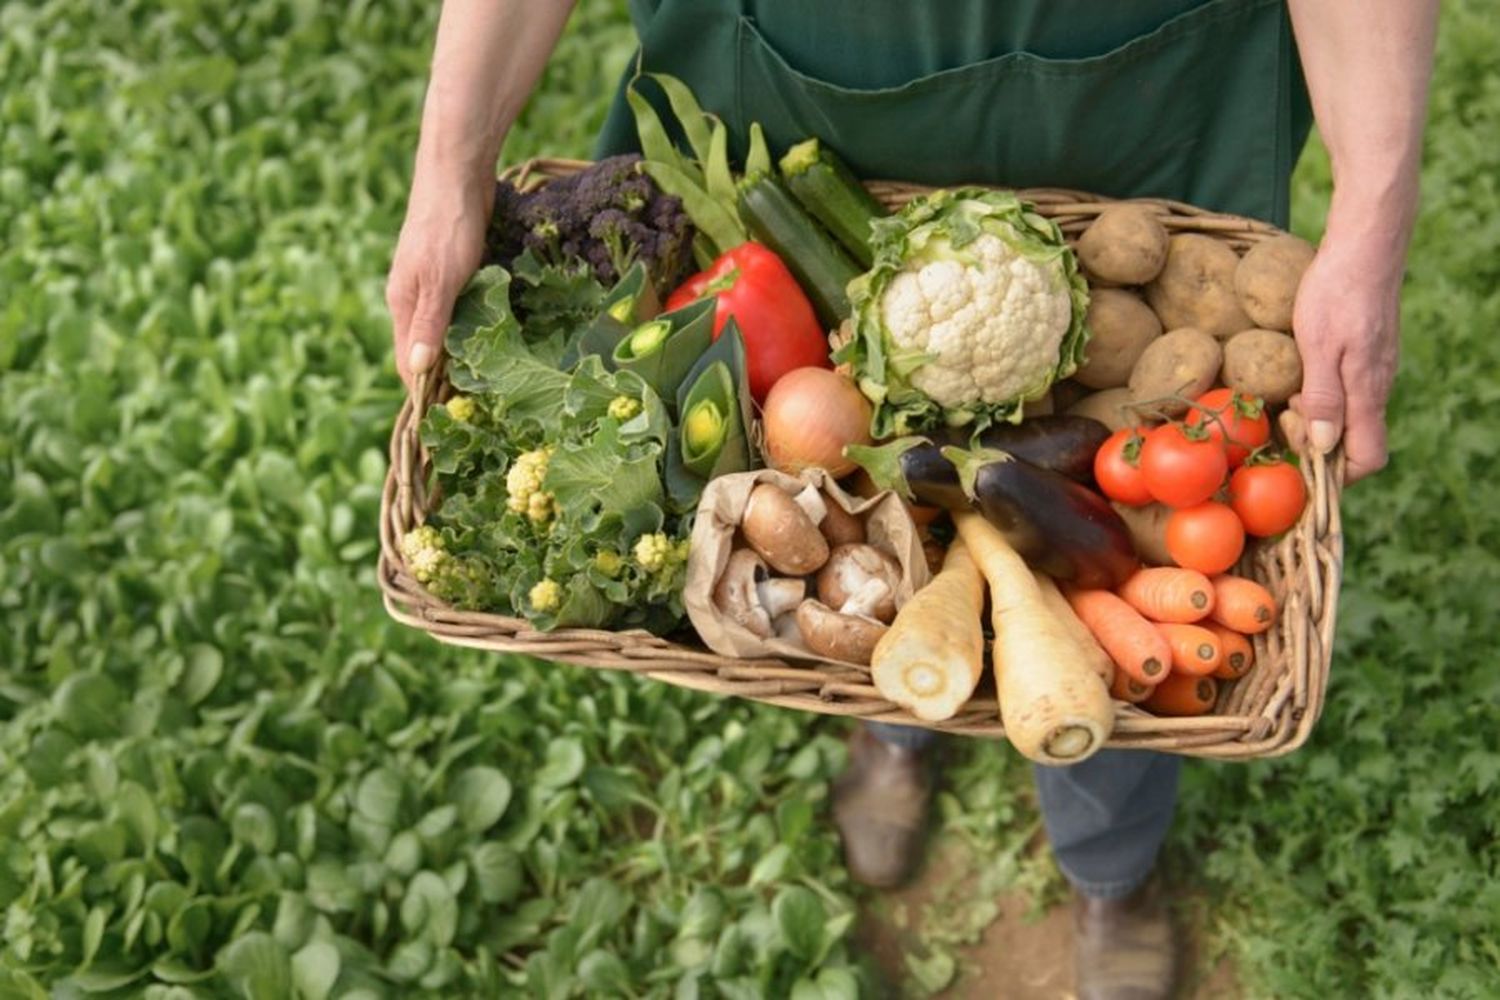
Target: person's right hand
(440, 246)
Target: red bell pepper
(775, 318)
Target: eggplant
(915, 466)
(1057, 525)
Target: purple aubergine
(1058, 526)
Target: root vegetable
(1195, 650)
(1183, 694)
(1126, 688)
(1169, 594)
(1113, 408)
(849, 570)
(1087, 644)
(1148, 531)
(1242, 604)
(1121, 326)
(1054, 707)
(1263, 363)
(1126, 244)
(781, 532)
(1239, 654)
(931, 658)
(1267, 277)
(1130, 640)
(1196, 287)
(809, 416)
(1183, 362)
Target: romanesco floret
(624, 408)
(523, 485)
(658, 554)
(461, 408)
(425, 554)
(545, 596)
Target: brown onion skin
(805, 400)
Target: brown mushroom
(840, 527)
(849, 569)
(782, 533)
(850, 638)
(748, 596)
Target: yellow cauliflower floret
(623, 408)
(545, 595)
(461, 408)
(523, 485)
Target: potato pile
(1175, 315)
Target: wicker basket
(1270, 711)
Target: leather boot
(1124, 949)
(880, 807)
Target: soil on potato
(1016, 957)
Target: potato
(1196, 287)
(1267, 277)
(1148, 531)
(1263, 363)
(1125, 245)
(1121, 325)
(1105, 407)
(1181, 362)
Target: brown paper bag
(888, 526)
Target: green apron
(1199, 101)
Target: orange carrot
(1183, 694)
(1169, 594)
(1130, 640)
(1242, 604)
(1123, 687)
(1195, 650)
(1239, 655)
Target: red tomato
(1117, 467)
(1208, 538)
(1268, 498)
(1238, 420)
(1179, 470)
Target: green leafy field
(223, 770)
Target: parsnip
(930, 659)
(1054, 707)
(1097, 658)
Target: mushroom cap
(851, 638)
(780, 531)
(736, 595)
(841, 527)
(848, 570)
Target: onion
(810, 415)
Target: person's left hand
(1347, 323)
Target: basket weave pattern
(1269, 711)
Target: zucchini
(831, 193)
(815, 258)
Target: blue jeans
(1106, 817)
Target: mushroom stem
(812, 503)
(780, 594)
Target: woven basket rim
(1269, 712)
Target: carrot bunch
(1174, 633)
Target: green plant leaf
(800, 917)
(257, 967)
(481, 795)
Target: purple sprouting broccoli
(608, 216)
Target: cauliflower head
(974, 305)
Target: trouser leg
(905, 737)
(1107, 817)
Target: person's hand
(440, 246)
(1347, 323)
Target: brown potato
(1148, 531)
(1106, 407)
(1121, 325)
(1196, 287)
(1263, 363)
(1125, 245)
(1183, 363)
(1267, 277)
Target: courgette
(831, 193)
(817, 260)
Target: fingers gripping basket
(1270, 711)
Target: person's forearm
(487, 58)
(1367, 65)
